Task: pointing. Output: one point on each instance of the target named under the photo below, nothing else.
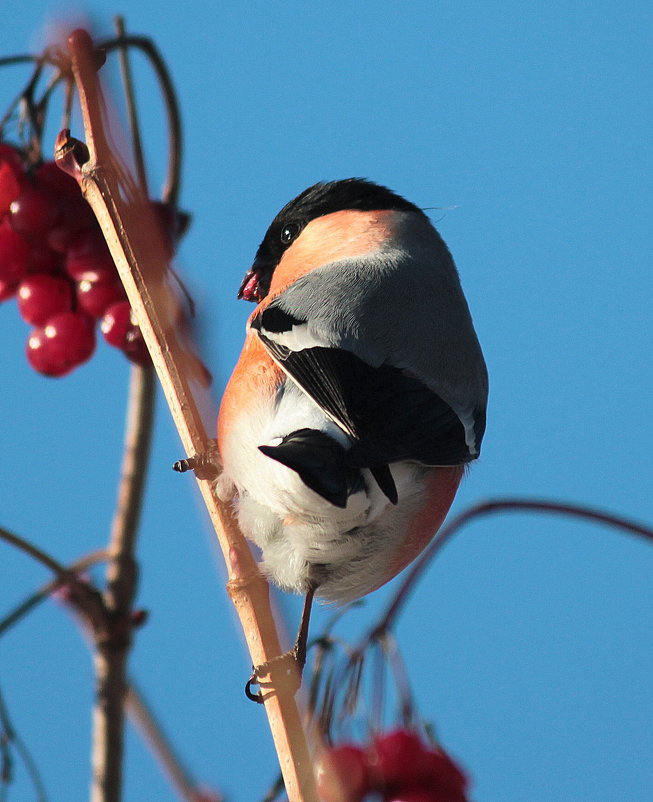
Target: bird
(359, 397)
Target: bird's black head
(316, 201)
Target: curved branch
(85, 597)
(40, 556)
(23, 58)
(130, 102)
(170, 192)
(32, 601)
(490, 508)
(9, 736)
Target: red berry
(12, 176)
(135, 348)
(39, 356)
(75, 215)
(7, 289)
(120, 330)
(87, 253)
(397, 759)
(104, 273)
(50, 176)
(41, 296)
(34, 212)
(95, 297)
(10, 187)
(66, 341)
(43, 259)
(419, 795)
(341, 774)
(138, 617)
(12, 156)
(116, 323)
(443, 773)
(14, 255)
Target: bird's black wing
(390, 415)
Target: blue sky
(526, 130)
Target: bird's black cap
(316, 201)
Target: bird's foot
(287, 667)
(205, 465)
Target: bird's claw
(249, 693)
(268, 669)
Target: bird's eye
(289, 232)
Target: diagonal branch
(29, 548)
(85, 597)
(152, 733)
(123, 214)
(19, 612)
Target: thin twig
(69, 94)
(34, 599)
(152, 733)
(34, 112)
(84, 596)
(38, 554)
(17, 100)
(8, 735)
(42, 106)
(493, 507)
(136, 707)
(170, 191)
(132, 111)
(51, 56)
(21, 58)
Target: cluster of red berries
(396, 767)
(54, 259)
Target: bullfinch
(359, 396)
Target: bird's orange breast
(440, 493)
(254, 381)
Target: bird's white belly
(303, 538)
